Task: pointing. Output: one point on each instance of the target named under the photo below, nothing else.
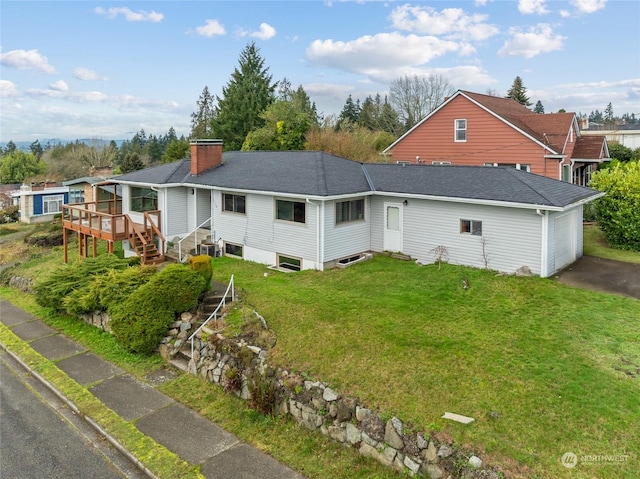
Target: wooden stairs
(146, 249)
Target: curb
(112, 440)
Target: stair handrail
(192, 232)
(221, 305)
(154, 228)
(143, 240)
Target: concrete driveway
(604, 275)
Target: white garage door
(564, 241)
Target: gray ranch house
(299, 210)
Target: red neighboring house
(483, 130)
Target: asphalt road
(40, 437)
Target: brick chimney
(205, 154)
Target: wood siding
(489, 140)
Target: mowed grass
(595, 244)
(560, 366)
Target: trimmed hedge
(202, 264)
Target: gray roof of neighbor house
(312, 173)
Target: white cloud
(528, 7)
(589, 6)
(371, 54)
(60, 85)
(26, 60)
(130, 15)
(453, 23)
(538, 39)
(8, 89)
(85, 74)
(211, 28)
(265, 33)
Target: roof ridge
(522, 178)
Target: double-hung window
(291, 211)
(233, 203)
(460, 130)
(352, 210)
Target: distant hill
(24, 145)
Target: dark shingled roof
(476, 183)
(319, 174)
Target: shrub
(202, 264)
(618, 212)
(145, 316)
(51, 290)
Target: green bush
(144, 318)
(52, 289)
(618, 212)
(202, 264)
(107, 290)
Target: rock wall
(242, 369)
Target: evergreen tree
(131, 162)
(538, 108)
(155, 148)
(176, 150)
(36, 149)
(608, 114)
(201, 118)
(248, 93)
(518, 92)
(350, 114)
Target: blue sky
(105, 70)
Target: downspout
(319, 235)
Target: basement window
(232, 249)
(289, 263)
(471, 227)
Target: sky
(106, 70)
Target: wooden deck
(104, 220)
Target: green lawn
(560, 366)
(595, 244)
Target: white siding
(346, 239)
(512, 236)
(177, 219)
(262, 235)
(574, 216)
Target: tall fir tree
(538, 108)
(247, 94)
(350, 113)
(518, 92)
(201, 118)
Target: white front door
(393, 227)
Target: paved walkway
(194, 438)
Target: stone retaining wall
(233, 364)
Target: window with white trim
(471, 227)
(234, 203)
(460, 130)
(291, 211)
(52, 204)
(517, 166)
(143, 199)
(351, 210)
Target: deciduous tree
(414, 97)
(18, 165)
